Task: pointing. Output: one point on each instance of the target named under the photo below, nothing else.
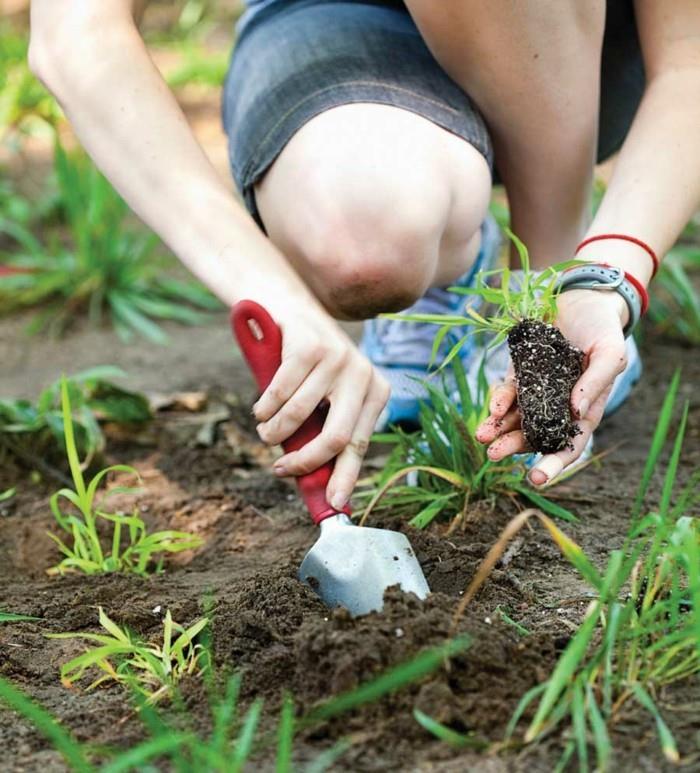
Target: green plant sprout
(111, 268)
(534, 298)
(235, 736)
(451, 470)
(641, 631)
(153, 669)
(86, 552)
(32, 433)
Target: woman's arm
(531, 68)
(654, 191)
(90, 55)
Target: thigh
(297, 60)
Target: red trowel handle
(260, 340)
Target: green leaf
(389, 682)
(60, 739)
(446, 734)
(657, 443)
(285, 737)
(546, 505)
(10, 617)
(668, 743)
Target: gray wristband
(595, 276)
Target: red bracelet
(639, 287)
(625, 238)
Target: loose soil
(277, 632)
(546, 368)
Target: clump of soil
(547, 367)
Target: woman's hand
(320, 362)
(592, 320)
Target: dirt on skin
(546, 368)
(282, 638)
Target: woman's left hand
(592, 320)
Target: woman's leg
(374, 204)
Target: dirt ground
(273, 628)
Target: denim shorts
(295, 59)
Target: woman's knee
(361, 202)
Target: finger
(604, 364)
(344, 412)
(349, 462)
(552, 465)
(306, 399)
(502, 398)
(290, 375)
(492, 428)
(506, 445)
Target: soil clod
(547, 367)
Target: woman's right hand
(321, 363)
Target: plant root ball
(547, 367)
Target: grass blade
(61, 740)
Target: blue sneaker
(402, 351)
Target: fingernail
(339, 500)
(583, 407)
(280, 469)
(534, 482)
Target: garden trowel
(349, 566)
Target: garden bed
(279, 635)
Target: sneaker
(402, 351)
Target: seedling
(153, 669)
(86, 552)
(32, 433)
(447, 468)
(111, 268)
(547, 366)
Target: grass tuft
(447, 468)
(152, 669)
(86, 552)
(106, 268)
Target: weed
(675, 302)
(153, 669)
(235, 735)
(110, 267)
(546, 365)
(449, 468)
(86, 553)
(32, 433)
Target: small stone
(398, 632)
(156, 609)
